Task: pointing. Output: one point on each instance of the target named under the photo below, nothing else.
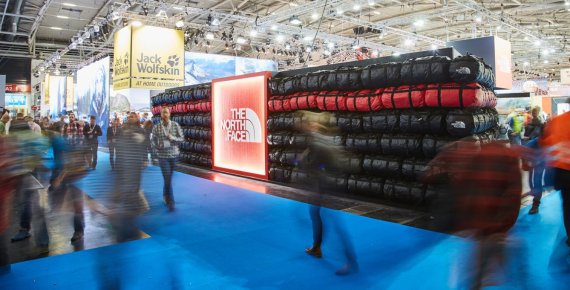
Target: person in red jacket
(483, 183)
(556, 140)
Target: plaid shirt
(159, 138)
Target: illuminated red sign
(14, 88)
(239, 117)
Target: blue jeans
(535, 176)
(167, 167)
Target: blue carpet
(224, 237)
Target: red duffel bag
(279, 104)
(204, 106)
(156, 110)
(304, 101)
(404, 97)
(455, 95)
(365, 100)
(331, 101)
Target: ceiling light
(526, 38)
(209, 36)
(433, 47)
(330, 45)
(241, 40)
(274, 27)
(326, 52)
(499, 27)
(371, 2)
(253, 33)
(396, 54)
(161, 14)
(179, 23)
(356, 7)
(56, 28)
(80, 40)
(545, 52)
(419, 23)
(315, 16)
(42, 69)
(552, 50)
(309, 49)
(377, 12)
(308, 38)
(408, 42)
(567, 3)
(526, 63)
(295, 20)
(293, 4)
(57, 72)
(546, 61)
(287, 47)
(62, 17)
(280, 38)
(339, 11)
(96, 28)
(215, 22)
(478, 19)
(537, 42)
(73, 46)
(136, 23)
(69, 4)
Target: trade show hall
(319, 144)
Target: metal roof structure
(296, 33)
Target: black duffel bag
(423, 121)
(402, 145)
(279, 174)
(284, 121)
(364, 143)
(316, 81)
(433, 145)
(349, 163)
(275, 155)
(426, 70)
(393, 77)
(413, 168)
(381, 122)
(274, 86)
(300, 178)
(462, 123)
(348, 78)
(362, 185)
(385, 166)
(291, 157)
(412, 193)
(374, 77)
(348, 122)
(337, 183)
(471, 68)
(279, 139)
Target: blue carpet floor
(224, 237)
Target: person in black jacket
(112, 138)
(92, 132)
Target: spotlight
(273, 27)
(136, 23)
(180, 24)
(295, 20)
(419, 23)
(280, 38)
(253, 33)
(287, 47)
(315, 16)
(241, 40)
(96, 28)
(356, 7)
(433, 47)
(209, 36)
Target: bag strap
(336, 100)
(410, 97)
(439, 95)
(370, 101)
(354, 101)
(461, 87)
(392, 98)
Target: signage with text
(14, 88)
(239, 115)
(148, 57)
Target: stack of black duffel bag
(191, 108)
(393, 118)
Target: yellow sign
(121, 84)
(122, 55)
(70, 98)
(155, 84)
(46, 90)
(157, 53)
(148, 57)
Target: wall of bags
(393, 118)
(192, 109)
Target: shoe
(76, 236)
(533, 209)
(21, 235)
(169, 201)
(349, 268)
(315, 252)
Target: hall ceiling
(538, 30)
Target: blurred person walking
(321, 158)
(515, 120)
(113, 135)
(8, 186)
(533, 131)
(92, 132)
(4, 124)
(483, 187)
(147, 126)
(33, 126)
(165, 137)
(556, 141)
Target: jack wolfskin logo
(173, 60)
(463, 70)
(458, 125)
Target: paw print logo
(173, 60)
(126, 59)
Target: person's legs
(94, 148)
(4, 258)
(562, 183)
(25, 205)
(112, 148)
(78, 217)
(317, 225)
(537, 187)
(166, 168)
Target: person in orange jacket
(556, 139)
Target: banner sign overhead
(150, 57)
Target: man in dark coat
(92, 131)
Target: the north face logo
(173, 60)
(244, 126)
(463, 70)
(458, 125)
